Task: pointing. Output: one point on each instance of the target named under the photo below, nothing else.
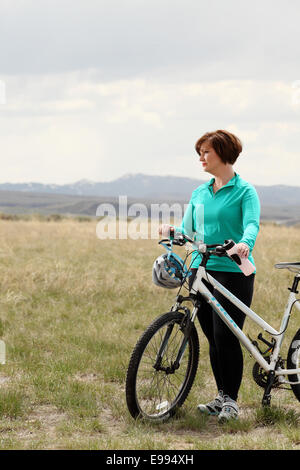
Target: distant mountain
(279, 203)
(152, 187)
(132, 185)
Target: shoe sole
(207, 412)
(223, 420)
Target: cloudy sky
(95, 89)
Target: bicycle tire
(293, 362)
(148, 393)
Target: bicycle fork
(186, 327)
(157, 366)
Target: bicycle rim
(157, 392)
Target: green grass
(12, 404)
(73, 307)
(274, 415)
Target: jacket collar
(231, 182)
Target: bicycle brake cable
(278, 334)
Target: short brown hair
(225, 144)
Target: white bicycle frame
(199, 286)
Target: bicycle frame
(199, 286)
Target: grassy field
(72, 308)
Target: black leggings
(225, 352)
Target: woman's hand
(242, 250)
(164, 230)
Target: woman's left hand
(242, 250)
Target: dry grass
(72, 308)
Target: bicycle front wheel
(154, 388)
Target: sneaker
(229, 410)
(213, 407)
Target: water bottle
(243, 263)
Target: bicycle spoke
(157, 390)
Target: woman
(231, 211)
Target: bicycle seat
(294, 267)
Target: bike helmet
(169, 271)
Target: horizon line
(127, 175)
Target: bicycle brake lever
(164, 240)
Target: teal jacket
(231, 213)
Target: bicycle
(164, 361)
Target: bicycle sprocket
(261, 376)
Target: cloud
(97, 89)
(162, 38)
(71, 126)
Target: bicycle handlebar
(181, 239)
(226, 249)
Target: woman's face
(211, 162)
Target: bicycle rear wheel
(154, 389)
(293, 362)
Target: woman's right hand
(164, 230)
